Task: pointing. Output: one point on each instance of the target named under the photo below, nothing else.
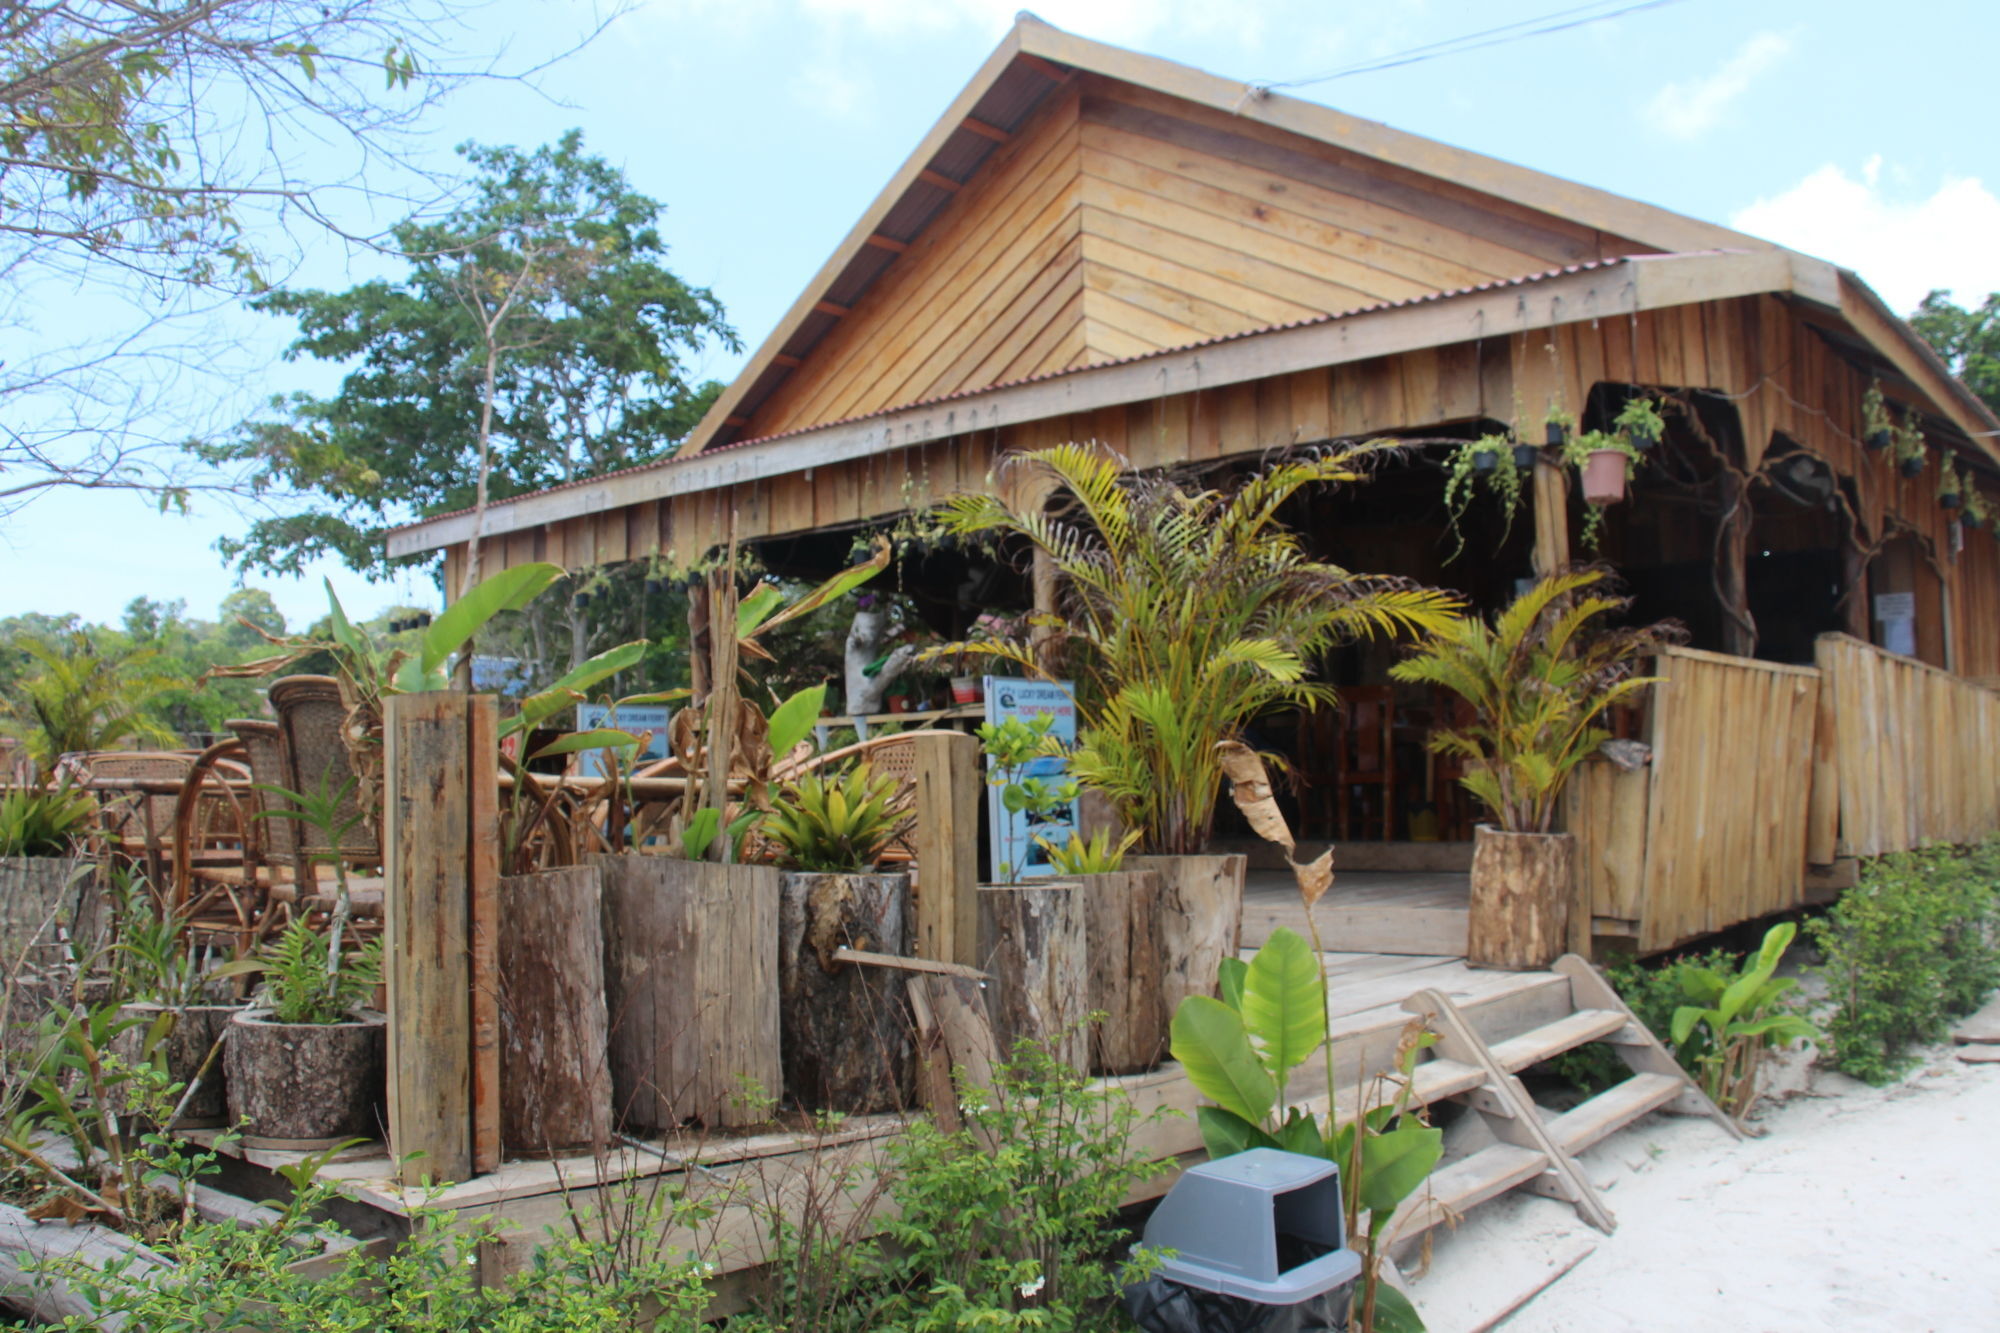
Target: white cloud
(1692, 107)
(1902, 247)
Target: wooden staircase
(1478, 1062)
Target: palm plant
(85, 699)
(1539, 677)
(1185, 614)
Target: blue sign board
(639, 719)
(1012, 837)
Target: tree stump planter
(845, 1028)
(1521, 889)
(1201, 917)
(1033, 943)
(691, 990)
(555, 1078)
(305, 1085)
(185, 1046)
(1123, 942)
(37, 893)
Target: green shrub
(44, 821)
(1653, 990)
(1906, 950)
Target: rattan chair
(312, 754)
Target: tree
(174, 153)
(535, 339)
(1968, 340)
(88, 696)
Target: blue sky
(1854, 132)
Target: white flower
(1033, 1288)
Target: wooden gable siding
(990, 293)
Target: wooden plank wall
(1915, 751)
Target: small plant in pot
(305, 1061)
(181, 1014)
(1911, 449)
(1604, 460)
(1490, 463)
(843, 1028)
(1978, 513)
(1878, 430)
(1951, 488)
(1539, 678)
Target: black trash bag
(1158, 1305)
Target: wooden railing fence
(1908, 754)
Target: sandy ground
(1857, 1209)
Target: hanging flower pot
(580, 601)
(1524, 456)
(1910, 467)
(1554, 434)
(965, 689)
(1877, 440)
(1643, 439)
(1951, 501)
(1485, 463)
(1604, 477)
(656, 585)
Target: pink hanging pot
(1604, 477)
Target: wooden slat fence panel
(1913, 750)
(1730, 794)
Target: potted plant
(1556, 427)
(44, 878)
(1122, 931)
(844, 1031)
(1185, 613)
(1477, 464)
(1911, 449)
(1977, 512)
(1951, 489)
(304, 1063)
(1604, 460)
(1878, 431)
(1639, 421)
(1538, 677)
(180, 1014)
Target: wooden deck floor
(1421, 913)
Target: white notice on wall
(1895, 606)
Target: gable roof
(1017, 82)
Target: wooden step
(1552, 1039)
(1440, 1078)
(1463, 1184)
(1613, 1109)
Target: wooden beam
(889, 243)
(1044, 68)
(788, 361)
(1615, 289)
(943, 182)
(985, 131)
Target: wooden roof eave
(1614, 288)
(1917, 361)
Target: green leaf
(792, 721)
(1685, 1019)
(1284, 1007)
(1224, 1133)
(699, 834)
(1394, 1164)
(509, 590)
(752, 611)
(1211, 1043)
(1230, 981)
(344, 632)
(538, 708)
(1394, 1313)
(600, 738)
(1300, 1134)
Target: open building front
(1097, 245)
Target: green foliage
(1007, 1223)
(1906, 950)
(1538, 677)
(1463, 478)
(156, 958)
(88, 696)
(1188, 612)
(841, 823)
(307, 981)
(1653, 992)
(1967, 339)
(1097, 855)
(1737, 1016)
(1012, 744)
(1911, 446)
(44, 821)
(592, 362)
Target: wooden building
(1096, 244)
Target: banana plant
(1241, 1051)
(1722, 1035)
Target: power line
(1559, 21)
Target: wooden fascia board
(727, 403)
(1640, 283)
(1905, 349)
(1601, 209)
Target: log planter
(1521, 889)
(189, 1035)
(37, 892)
(691, 991)
(305, 1085)
(845, 1027)
(1123, 941)
(1201, 917)
(1033, 944)
(555, 1078)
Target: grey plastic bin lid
(1222, 1220)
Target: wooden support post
(482, 776)
(1551, 495)
(1732, 562)
(946, 842)
(434, 824)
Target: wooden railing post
(946, 843)
(441, 835)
